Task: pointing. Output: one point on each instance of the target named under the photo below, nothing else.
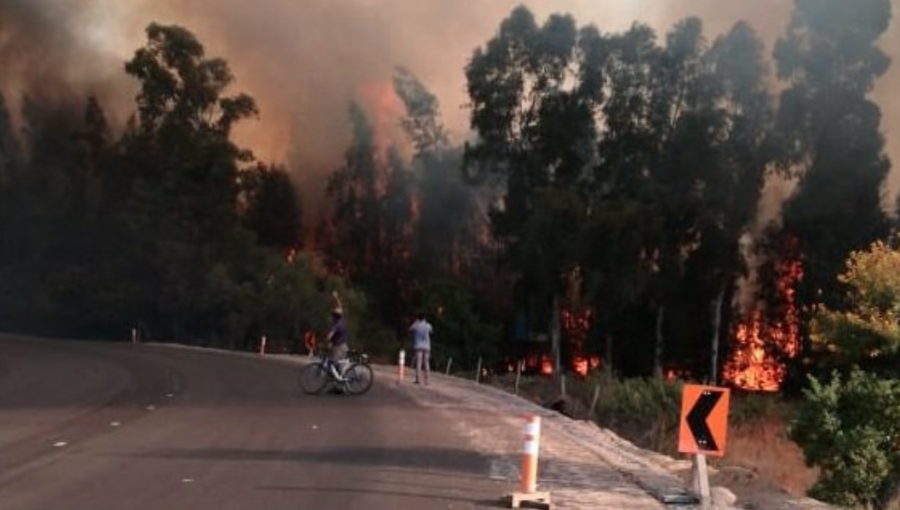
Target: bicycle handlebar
(354, 355)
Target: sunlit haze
(304, 61)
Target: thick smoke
(887, 98)
(49, 52)
(304, 61)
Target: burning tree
(829, 135)
(767, 336)
(576, 324)
(446, 216)
(533, 106)
(394, 224)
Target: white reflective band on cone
(533, 428)
(531, 448)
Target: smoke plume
(304, 61)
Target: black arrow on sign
(696, 420)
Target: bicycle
(322, 373)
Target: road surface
(104, 426)
(119, 426)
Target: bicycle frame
(356, 378)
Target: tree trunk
(555, 336)
(717, 327)
(660, 342)
(608, 353)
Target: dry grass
(763, 448)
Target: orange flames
(764, 341)
(542, 363)
(575, 326)
(580, 365)
(546, 365)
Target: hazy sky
(304, 60)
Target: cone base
(533, 499)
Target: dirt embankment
(762, 467)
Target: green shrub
(644, 411)
(382, 345)
(462, 330)
(850, 430)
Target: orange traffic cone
(528, 481)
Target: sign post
(518, 374)
(703, 430)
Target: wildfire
(575, 327)
(385, 110)
(580, 365)
(764, 341)
(546, 365)
(542, 363)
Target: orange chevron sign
(704, 420)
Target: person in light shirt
(338, 338)
(421, 339)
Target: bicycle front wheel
(358, 379)
(313, 378)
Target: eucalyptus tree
(51, 202)
(536, 130)
(10, 152)
(10, 162)
(398, 228)
(422, 122)
(625, 223)
(10, 167)
(181, 141)
(741, 115)
(654, 156)
(446, 219)
(272, 207)
(681, 124)
(830, 135)
(351, 233)
(181, 212)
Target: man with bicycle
(334, 369)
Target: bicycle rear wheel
(358, 379)
(313, 378)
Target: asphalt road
(97, 426)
